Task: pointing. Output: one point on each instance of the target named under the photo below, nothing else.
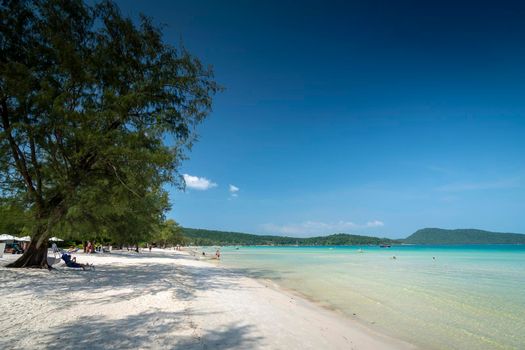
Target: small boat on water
(384, 246)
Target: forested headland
(212, 237)
(463, 236)
(423, 236)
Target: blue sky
(374, 118)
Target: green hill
(424, 236)
(211, 237)
(463, 236)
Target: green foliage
(169, 233)
(424, 236)
(13, 219)
(88, 100)
(346, 239)
(210, 237)
(463, 236)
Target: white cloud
(198, 183)
(318, 227)
(233, 192)
(375, 223)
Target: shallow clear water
(468, 297)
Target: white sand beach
(165, 300)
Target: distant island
(424, 236)
(463, 236)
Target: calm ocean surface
(468, 297)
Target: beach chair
(52, 260)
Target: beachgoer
(218, 254)
(150, 248)
(72, 262)
(203, 253)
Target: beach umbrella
(5, 237)
(56, 239)
(24, 239)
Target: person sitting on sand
(72, 262)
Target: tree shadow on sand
(150, 330)
(184, 281)
(63, 288)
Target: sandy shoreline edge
(166, 299)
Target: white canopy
(24, 239)
(56, 239)
(7, 238)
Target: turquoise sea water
(437, 297)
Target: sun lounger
(51, 260)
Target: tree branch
(18, 156)
(34, 160)
(121, 181)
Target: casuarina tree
(94, 108)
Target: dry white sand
(164, 300)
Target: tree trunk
(35, 257)
(36, 254)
